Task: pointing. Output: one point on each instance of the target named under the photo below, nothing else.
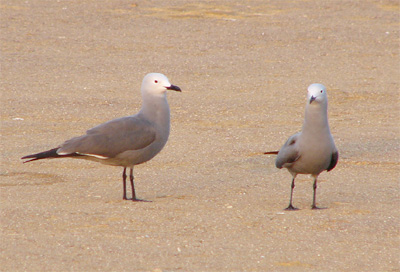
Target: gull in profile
(126, 141)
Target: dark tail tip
(271, 152)
(28, 160)
(52, 153)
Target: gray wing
(334, 160)
(112, 138)
(288, 153)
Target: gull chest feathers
(315, 144)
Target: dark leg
(314, 206)
(290, 207)
(132, 185)
(124, 183)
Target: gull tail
(271, 152)
(52, 153)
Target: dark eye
(321, 91)
(156, 81)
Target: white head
(317, 94)
(156, 84)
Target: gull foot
(291, 208)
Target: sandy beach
(215, 202)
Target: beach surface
(215, 202)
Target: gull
(312, 150)
(125, 141)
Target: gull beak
(312, 99)
(174, 88)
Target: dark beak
(174, 88)
(312, 99)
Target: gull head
(317, 94)
(157, 85)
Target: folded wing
(288, 153)
(112, 138)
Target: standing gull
(312, 150)
(125, 141)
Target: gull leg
(290, 207)
(133, 186)
(314, 205)
(124, 183)
(133, 189)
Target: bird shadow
(319, 208)
(139, 200)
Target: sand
(216, 203)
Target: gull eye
(321, 91)
(156, 81)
